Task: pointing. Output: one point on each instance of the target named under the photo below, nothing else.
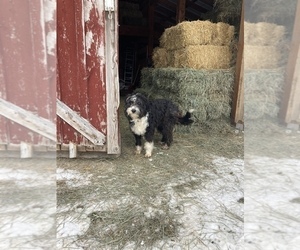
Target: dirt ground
(187, 197)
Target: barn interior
(142, 22)
(145, 43)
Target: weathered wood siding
(237, 113)
(27, 66)
(290, 109)
(87, 72)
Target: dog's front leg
(149, 145)
(149, 148)
(138, 144)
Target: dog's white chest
(139, 126)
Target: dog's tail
(186, 120)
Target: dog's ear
(127, 97)
(140, 95)
(145, 101)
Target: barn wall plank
(237, 113)
(71, 64)
(24, 65)
(290, 106)
(112, 82)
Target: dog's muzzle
(133, 112)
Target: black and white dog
(147, 115)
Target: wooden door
(88, 85)
(27, 76)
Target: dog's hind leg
(138, 144)
(163, 139)
(167, 138)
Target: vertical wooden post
(289, 110)
(150, 28)
(26, 150)
(72, 150)
(180, 11)
(112, 81)
(237, 113)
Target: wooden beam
(28, 119)
(180, 11)
(139, 31)
(237, 113)
(79, 123)
(167, 4)
(196, 7)
(113, 140)
(150, 29)
(289, 110)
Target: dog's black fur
(146, 115)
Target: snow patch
(49, 10)
(51, 43)
(88, 41)
(73, 178)
(26, 178)
(88, 6)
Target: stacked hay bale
(206, 91)
(264, 75)
(192, 68)
(262, 45)
(196, 45)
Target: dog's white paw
(138, 150)
(165, 146)
(149, 148)
(148, 155)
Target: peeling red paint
(25, 76)
(81, 72)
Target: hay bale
(202, 57)
(160, 58)
(196, 33)
(207, 91)
(263, 90)
(194, 57)
(262, 57)
(263, 34)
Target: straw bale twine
(262, 57)
(196, 33)
(263, 34)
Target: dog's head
(136, 106)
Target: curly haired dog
(147, 115)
